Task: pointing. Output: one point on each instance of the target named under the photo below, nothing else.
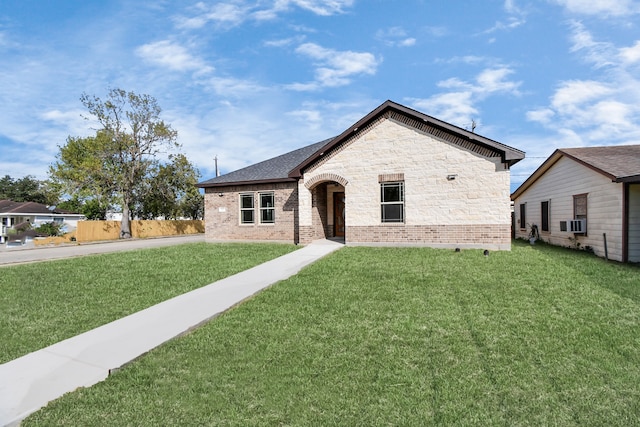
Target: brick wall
(222, 213)
(488, 236)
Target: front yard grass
(47, 302)
(398, 336)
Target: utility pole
(215, 159)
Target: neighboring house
(397, 176)
(585, 197)
(14, 213)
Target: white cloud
(284, 42)
(543, 115)
(395, 36)
(494, 80)
(335, 68)
(458, 105)
(630, 55)
(510, 6)
(73, 122)
(173, 56)
(231, 14)
(512, 23)
(595, 52)
(319, 7)
(602, 8)
(597, 110)
(572, 95)
(233, 87)
(452, 107)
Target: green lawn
(43, 303)
(398, 336)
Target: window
(523, 216)
(246, 209)
(267, 208)
(580, 206)
(580, 210)
(392, 201)
(544, 208)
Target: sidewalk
(31, 253)
(30, 382)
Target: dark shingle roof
(29, 208)
(271, 170)
(290, 166)
(620, 163)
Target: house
(14, 213)
(587, 198)
(397, 176)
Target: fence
(89, 231)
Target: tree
(192, 205)
(167, 189)
(28, 189)
(116, 163)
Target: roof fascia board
(508, 154)
(297, 171)
(629, 179)
(239, 183)
(544, 167)
(590, 166)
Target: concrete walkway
(30, 382)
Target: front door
(338, 214)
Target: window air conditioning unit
(574, 226)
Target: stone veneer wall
(222, 213)
(319, 228)
(472, 210)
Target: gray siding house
(585, 197)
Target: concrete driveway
(30, 253)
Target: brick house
(397, 176)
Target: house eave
(507, 154)
(241, 183)
(632, 179)
(545, 166)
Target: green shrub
(50, 229)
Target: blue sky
(248, 80)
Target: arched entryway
(328, 206)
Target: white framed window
(246, 209)
(267, 208)
(392, 201)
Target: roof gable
(290, 166)
(424, 123)
(620, 163)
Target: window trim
(400, 202)
(577, 197)
(251, 209)
(523, 216)
(545, 213)
(267, 208)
